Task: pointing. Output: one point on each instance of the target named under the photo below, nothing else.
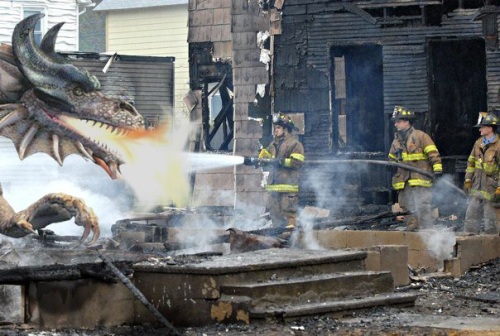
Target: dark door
(457, 88)
(357, 96)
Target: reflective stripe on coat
(419, 151)
(284, 177)
(483, 168)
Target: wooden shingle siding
(311, 28)
(493, 78)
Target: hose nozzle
(250, 161)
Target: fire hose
(254, 161)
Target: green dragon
(44, 99)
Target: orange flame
(156, 167)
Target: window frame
(43, 22)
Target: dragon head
(62, 109)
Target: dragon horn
(46, 75)
(49, 42)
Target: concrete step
(312, 288)
(337, 307)
(260, 266)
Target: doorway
(357, 98)
(457, 93)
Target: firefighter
(283, 180)
(482, 177)
(414, 148)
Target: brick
(372, 261)
(390, 238)
(241, 111)
(468, 251)
(248, 183)
(251, 201)
(221, 33)
(452, 266)
(416, 240)
(222, 181)
(246, 40)
(246, 147)
(222, 16)
(423, 259)
(394, 258)
(240, 7)
(222, 49)
(201, 18)
(221, 170)
(245, 93)
(77, 303)
(332, 239)
(213, 198)
(206, 4)
(199, 34)
(251, 75)
(248, 129)
(360, 239)
(247, 58)
(490, 247)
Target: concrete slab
(256, 260)
(430, 249)
(450, 322)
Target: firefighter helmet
(401, 113)
(487, 119)
(285, 121)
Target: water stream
(207, 161)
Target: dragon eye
(78, 91)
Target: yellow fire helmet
(285, 121)
(401, 113)
(487, 119)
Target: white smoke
(11, 304)
(25, 182)
(440, 244)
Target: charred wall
(446, 91)
(303, 62)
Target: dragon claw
(26, 226)
(51, 208)
(89, 221)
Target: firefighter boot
(411, 223)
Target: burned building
(342, 66)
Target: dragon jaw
(33, 127)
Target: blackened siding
(302, 58)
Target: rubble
(469, 305)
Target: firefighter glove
(285, 162)
(468, 185)
(264, 154)
(437, 176)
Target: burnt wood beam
(205, 116)
(57, 272)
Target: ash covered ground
(469, 305)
